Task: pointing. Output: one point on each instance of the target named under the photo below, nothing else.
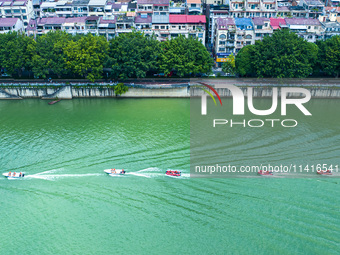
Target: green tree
(229, 65)
(49, 54)
(16, 52)
(284, 55)
(244, 63)
(329, 56)
(133, 55)
(86, 56)
(185, 56)
(120, 89)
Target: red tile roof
(187, 19)
(276, 23)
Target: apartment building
(194, 7)
(188, 26)
(11, 25)
(262, 28)
(245, 34)
(309, 29)
(224, 39)
(213, 12)
(154, 7)
(253, 8)
(22, 10)
(331, 29)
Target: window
(221, 49)
(200, 35)
(193, 5)
(308, 27)
(223, 36)
(162, 27)
(258, 35)
(23, 11)
(259, 27)
(156, 27)
(222, 42)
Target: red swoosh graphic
(213, 90)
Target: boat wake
(52, 177)
(54, 174)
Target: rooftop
(302, 21)
(277, 23)
(243, 23)
(260, 21)
(225, 22)
(107, 21)
(139, 19)
(51, 21)
(314, 2)
(160, 19)
(8, 22)
(153, 2)
(187, 19)
(193, 1)
(97, 2)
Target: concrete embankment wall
(133, 92)
(147, 91)
(268, 92)
(30, 92)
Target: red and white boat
(114, 171)
(324, 172)
(173, 173)
(14, 175)
(265, 172)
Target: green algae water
(66, 204)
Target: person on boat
(123, 172)
(14, 174)
(9, 174)
(20, 174)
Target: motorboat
(324, 172)
(173, 173)
(114, 171)
(261, 172)
(14, 175)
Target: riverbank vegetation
(133, 55)
(286, 55)
(130, 55)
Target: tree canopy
(133, 55)
(282, 55)
(229, 65)
(184, 56)
(329, 56)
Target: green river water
(66, 204)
